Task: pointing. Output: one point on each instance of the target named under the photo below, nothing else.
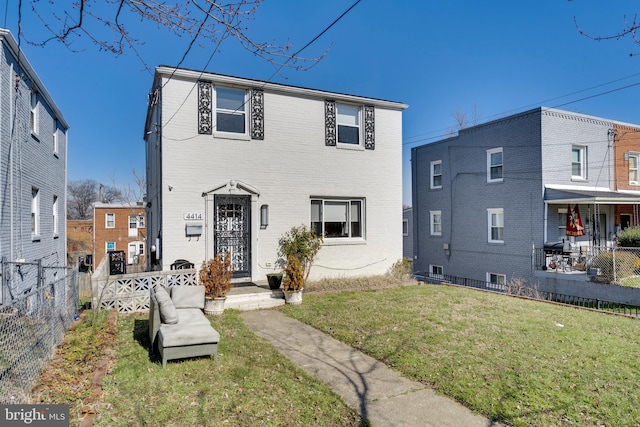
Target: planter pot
(214, 305)
(293, 297)
(274, 279)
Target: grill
(556, 253)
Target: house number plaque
(192, 215)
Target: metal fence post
(613, 260)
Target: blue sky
(497, 57)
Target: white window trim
(56, 141)
(562, 227)
(55, 215)
(637, 169)
(432, 223)
(490, 213)
(432, 175)
(35, 115)
(35, 213)
(348, 201)
(231, 135)
(360, 145)
(489, 153)
(583, 163)
(106, 246)
(433, 273)
(496, 285)
(106, 220)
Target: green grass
(516, 361)
(249, 384)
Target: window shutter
(204, 108)
(330, 122)
(257, 114)
(369, 127)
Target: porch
(129, 293)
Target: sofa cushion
(177, 335)
(192, 316)
(168, 312)
(188, 296)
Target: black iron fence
(38, 306)
(518, 287)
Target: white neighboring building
(33, 175)
(234, 163)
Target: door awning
(552, 196)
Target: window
(494, 165)
(33, 116)
(110, 220)
(562, 223)
(140, 221)
(633, 169)
(110, 246)
(405, 227)
(435, 220)
(231, 114)
(578, 157)
(35, 212)
(348, 122)
(338, 218)
(496, 225)
(55, 136)
(496, 281)
(141, 249)
(55, 215)
(436, 174)
(435, 271)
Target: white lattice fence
(129, 293)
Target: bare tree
(206, 22)
(629, 29)
(82, 194)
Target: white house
(33, 172)
(234, 163)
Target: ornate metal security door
(232, 217)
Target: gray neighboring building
(484, 199)
(407, 233)
(33, 171)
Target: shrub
(293, 279)
(401, 269)
(301, 243)
(629, 237)
(625, 264)
(215, 275)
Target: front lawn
(517, 361)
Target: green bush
(629, 238)
(625, 264)
(302, 243)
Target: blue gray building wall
(466, 196)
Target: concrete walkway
(378, 393)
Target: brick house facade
(120, 227)
(79, 239)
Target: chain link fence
(39, 303)
(615, 265)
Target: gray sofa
(178, 327)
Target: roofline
(274, 87)
(24, 63)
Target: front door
(232, 217)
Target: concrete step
(253, 298)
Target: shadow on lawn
(141, 336)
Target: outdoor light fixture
(264, 216)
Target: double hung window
(435, 221)
(231, 116)
(338, 218)
(494, 165)
(436, 174)
(35, 212)
(495, 219)
(348, 123)
(634, 179)
(578, 159)
(110, 220)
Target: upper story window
(634, 179)
(435, 223)
(348, 123)
(55, 215)
(494, 165)
(55, 137)
(495, 219)
(436, 174)
(110, 220)
(231, 114)
(338, 218)
(33, 116)
(578, 162)
(35, 212)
